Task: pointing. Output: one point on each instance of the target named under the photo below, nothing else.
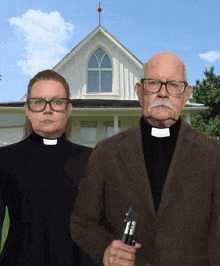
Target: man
(164, 169)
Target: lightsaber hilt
(131, 220)
(129, 233)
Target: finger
(126, 255)
(120, 262)
(119, 245)
(122, 253)
(121, 258)
(127, 248)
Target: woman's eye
(38, 102)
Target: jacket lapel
(180, 163)
(132, 155)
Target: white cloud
(210, 56)
(45, 34)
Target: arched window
(99, 72)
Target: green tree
(0, 76)
(208, 93)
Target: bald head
(168, 63)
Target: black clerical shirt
(158, 154)
(39, 184)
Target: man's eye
(57, 102)
(173, 84)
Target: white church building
(101, 74)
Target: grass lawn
(5, 228)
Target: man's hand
(119, 253)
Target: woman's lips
(48, 121)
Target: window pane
(88, 135)
(99, 53)
(11, 135)
(93, 81)
(106, 81)
(106, 63)
(109, 131)
(93, 63)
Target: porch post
(188, 120)
(116, 129)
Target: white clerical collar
(160, 132)
(49, 141)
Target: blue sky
(36, 35)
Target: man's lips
(162, 106)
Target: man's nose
(163, 91)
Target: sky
(36, 35)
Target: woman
(39, 179)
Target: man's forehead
(164, 70)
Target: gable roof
(105, 33)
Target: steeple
(99, 10)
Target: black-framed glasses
(174, 88)
(38, 104)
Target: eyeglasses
(38, 105)
(173, 87)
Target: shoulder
(13, 153)
(203, 140)
(13, 147)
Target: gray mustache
(164, 104)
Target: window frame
(99, 70)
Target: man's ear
(139, 91)
(187, 93)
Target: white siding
(75, 71)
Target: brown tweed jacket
(186, 228)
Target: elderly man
(163, 168)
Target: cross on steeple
(99, 10)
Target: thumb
(137, 245)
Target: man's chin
(162, 115)
(162, 121)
